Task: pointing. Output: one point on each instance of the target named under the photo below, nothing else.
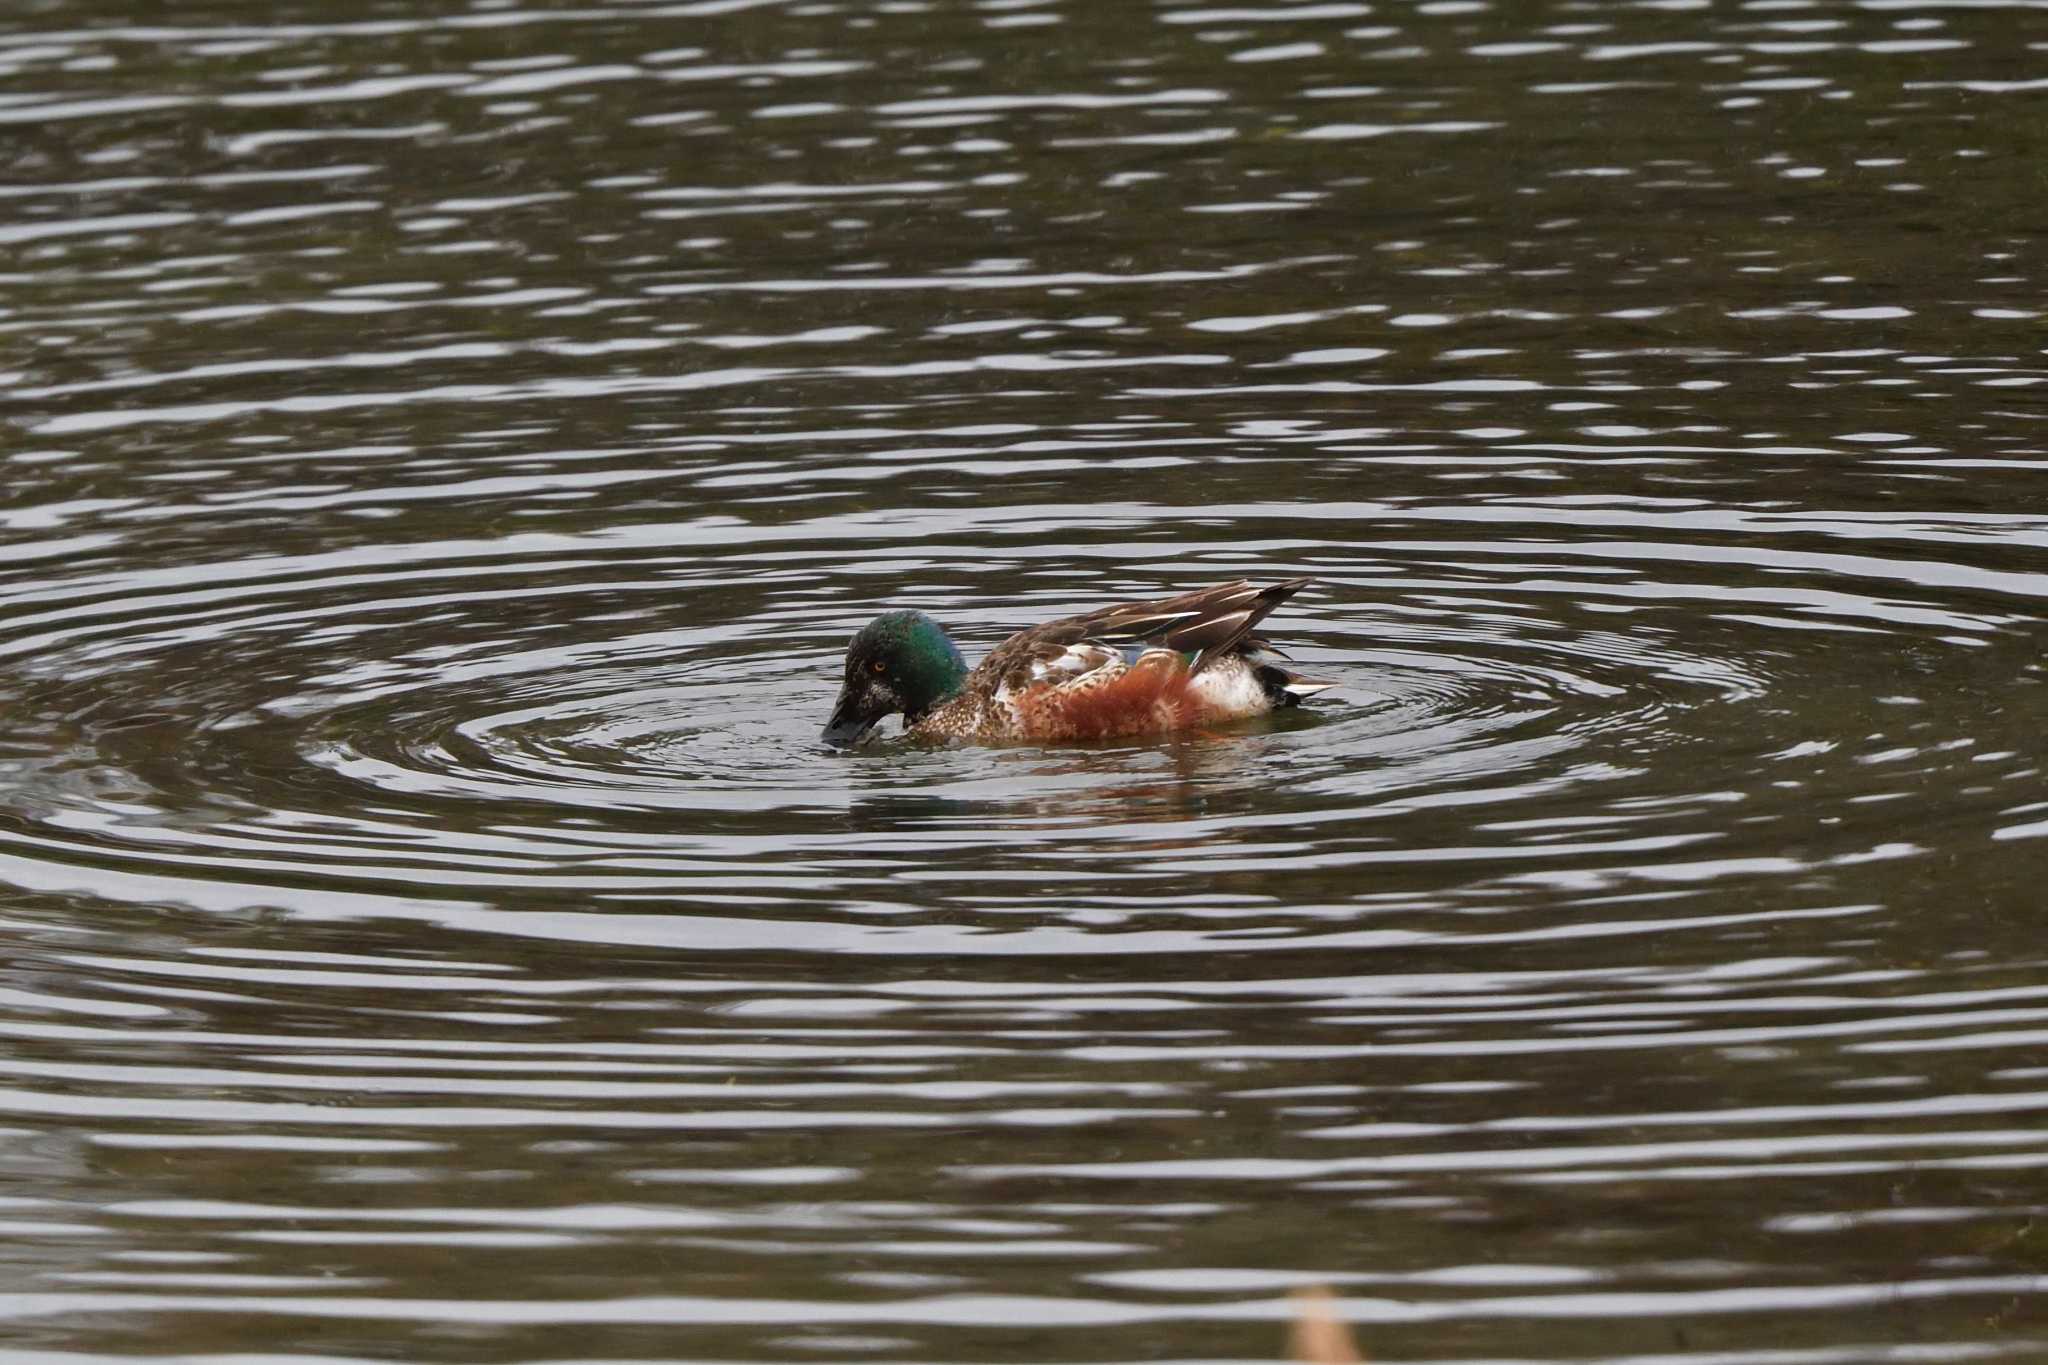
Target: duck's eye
(878, 667)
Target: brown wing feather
(1209, 622)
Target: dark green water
(447, 447)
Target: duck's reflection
(1038, 788)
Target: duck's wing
(1207, 623)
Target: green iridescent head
(899, 662)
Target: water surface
(449, 446)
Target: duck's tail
(1283, 686)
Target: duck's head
(899, 662)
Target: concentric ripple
(451, 445)
(510, 722)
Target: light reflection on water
(454, 443)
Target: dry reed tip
(1320, 1336)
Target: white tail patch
(1230, 688)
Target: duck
(1137, 668)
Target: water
(449, 445)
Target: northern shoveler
(1139, 668)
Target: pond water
(448, 447)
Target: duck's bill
(849, 724)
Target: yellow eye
(879, 667)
